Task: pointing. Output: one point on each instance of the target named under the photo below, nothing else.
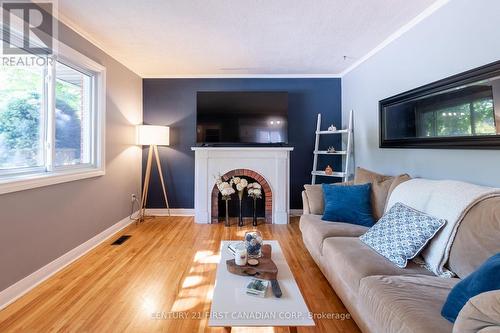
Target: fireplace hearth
(269, 166)
(264, 205)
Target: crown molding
(398, 33)
(240, 76)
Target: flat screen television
(241, 118)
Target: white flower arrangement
(241, 184)
(255, 190)
(225, 188)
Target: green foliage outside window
(21, 123)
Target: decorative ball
(253, 241)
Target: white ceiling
(162, 38)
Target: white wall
(461, 35)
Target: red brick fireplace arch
(266, 189)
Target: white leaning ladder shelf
(345, 173)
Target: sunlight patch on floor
(185, 303)
(210, 293)
(149, 304)
(196, 289)
(201, 254)
(191, 281)
(206, 257)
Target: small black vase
(226, 222)
(240, 220)
(254, 222)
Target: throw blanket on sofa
(446, 199)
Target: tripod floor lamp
(153, 136)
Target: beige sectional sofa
(383, 298)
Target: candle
(240, 255)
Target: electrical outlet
(134, 197)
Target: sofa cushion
(363, 176)
(379, 190)
(314, 195)
(395, 182)
(485, 278)
(402, 233)
(446, 199)
(408, 303)
(382, 187)
(306, 209)
(350, 204)
(477, 238)
(481, 314)
(314, 231)
(346, 260)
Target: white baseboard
(190, 212)
(173, 211)
(18, 289)
(296, 212)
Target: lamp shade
(153, 135)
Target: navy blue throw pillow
(485, 278)
(350, 204)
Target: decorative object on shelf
(346, 149)
(226, 190)
(332, 128)
(152, 136)
(253, 242)
(241, 184)
(254, 192)
(328, 170)
(240, 255)
(331, 150)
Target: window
(51, 120)
(73, 126)
(21, 118)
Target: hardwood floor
(167, 267)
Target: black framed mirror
(461, 111)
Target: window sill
(21, 183)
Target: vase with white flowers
(254, 192)
(241, 184)
(226, 190)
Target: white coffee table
(232, 307)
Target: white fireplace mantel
(272, 163)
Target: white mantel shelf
(272, 163)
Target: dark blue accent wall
(172, 102)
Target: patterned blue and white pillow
(402, 233)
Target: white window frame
(34, 177)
